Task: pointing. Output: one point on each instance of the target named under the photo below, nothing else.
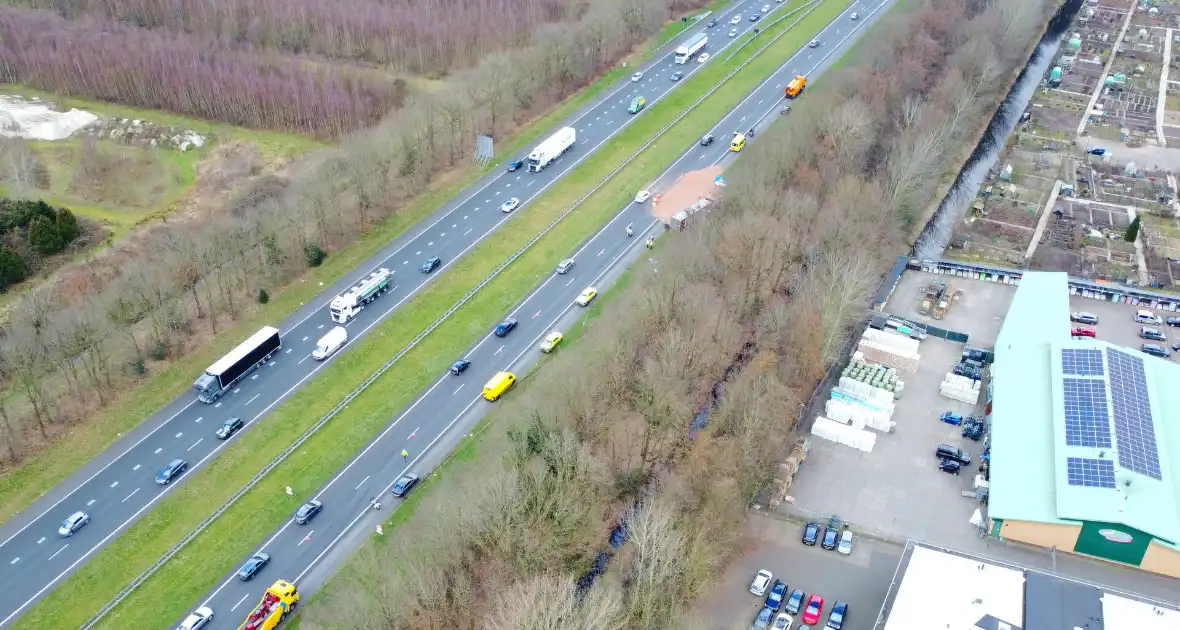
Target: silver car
(844, 547)
(198, 619)
(565, 265)
(73, 523)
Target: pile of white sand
(34, 120)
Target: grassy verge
(196, 570)
(21, 486)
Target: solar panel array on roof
(1091, 473)
(1133, 426)
(1087, 422)
(1081, 362)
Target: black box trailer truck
(237, 364)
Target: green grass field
(171, 591)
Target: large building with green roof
(1085, 438)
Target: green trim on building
(1113, 541)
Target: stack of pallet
(960, 388)
(890, 349)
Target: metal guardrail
(311, 431)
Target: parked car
(170, 472)
(795, 601)
(565, 265)
(815, 607)
(253, 566)
(1147, 317)
(946, 451)
(1082, 317)
(460, 366)
(228, 428)
(844, 547)
(761, 582)
(1081, 331)
(952, 418)
(782, 621)
(430, 264)
(73, 523)
(197, 620)
(1152, 334)
(762, 621)
(1173, 321)
(810, 533)
(831, 537)
(1155, 350)
(515, 165)
(837, 616)
(404, 484)
(308, 511)
(948, 466)
(505, 327)
(774, 599)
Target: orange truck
(795, 87)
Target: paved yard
(1116, 322)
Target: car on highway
(844, 547)
(565, 265)
(711, 23)
(551, 341)
(676, 76)
(510, 205)
(782, 621)
(766, 8)
(795, 601)
(774, 599)
(505, 327)
(831, 537)
(197, 620)
(642, 196)
(430, 264)
(810, 533)
(762, 621)
(738, 142)
(733, 32)
(515, 165)
(854, 15)
(813, 43)
(253, 566)
(706, 140)
(637, 77)
(170, 472)
(73, 523)
(637, 105)
(837, 616)
(587, 296)
(229, 428)
(815, 606)
(761, 582)
(737, 19)
(308, 511)
(755, 17)
(404, 484)
(1082, 317)
(703, 57)
(460, 366)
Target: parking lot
(1116, 322)
(861, 579)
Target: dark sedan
(170, 472)
(405, 484)
(253, 566)
(229, 427)
(307, 511)
(430, 264)
(460, 366)
(810, 533)
(505, 327)
(831, 537)
(515, 165)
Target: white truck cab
(330, 343)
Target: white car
(845, 544)
(761, 583)
(854, 16)
(782, 622)
(766, 8)
(635, 78)
(510, 205)
(642, 196)
(737, 19)
(73, 523)
(198, 619)
(733, 32)
(813, 43)
(703, 58)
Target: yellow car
(587, 296)
(551, 341)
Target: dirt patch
(689, 189)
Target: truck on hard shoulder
(350, 303)
(691, 48)
(240, 361)
(277, 602)
(795, 87)
(552, 148)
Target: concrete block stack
(960, 388)
(890, 349)
(880, 376)
(842, 434)
(857, 416)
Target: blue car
(836, 617)
(774, 599)
(795, 601)
(762, 621)
(952, 418)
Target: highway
(117, 487)
(437, 421)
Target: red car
(815, 606)
(1079, 331)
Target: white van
(1147, 317)
(330, 343)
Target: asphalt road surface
(118, 486)
(431, 426)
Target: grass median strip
(23, 485)
(181, 583)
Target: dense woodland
(760, 297)
(93, 336)
(30, 231)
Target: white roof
(928, 600)
(242, 350)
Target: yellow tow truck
(278, 602)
